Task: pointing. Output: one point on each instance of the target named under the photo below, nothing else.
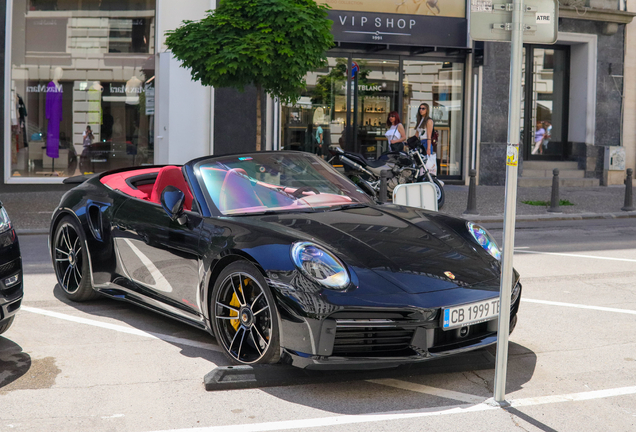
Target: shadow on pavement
(14, 363)
(149, 322)
(534, 422)
(355, 396)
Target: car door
(160, 256)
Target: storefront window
(375, 90)
(375, 93)
(82, 86)
(439, 84)
(317, 120)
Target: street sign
(491, 20)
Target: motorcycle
(402, 168)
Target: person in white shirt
(395, 134)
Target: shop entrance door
(545, 104)
(375, 92)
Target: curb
(552, 217)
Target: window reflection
(438, 84)
(82, 86)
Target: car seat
(171, 176)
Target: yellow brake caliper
(235, 302)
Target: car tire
(70, 261)
(4, 327)
(439, 191)
(253, 337)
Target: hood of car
(410, 248)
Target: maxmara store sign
(440, 23)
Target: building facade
(90, 86)
(574, 87)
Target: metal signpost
(534, 21)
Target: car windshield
(276, 182)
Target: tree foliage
(271, 44)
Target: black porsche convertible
(281, 258)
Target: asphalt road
(109, 366)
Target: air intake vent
(373, 338)
(9, 268)
(95, 220)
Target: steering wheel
(299, 192)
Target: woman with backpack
(424, 131)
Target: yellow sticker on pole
(512, 155)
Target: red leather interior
(171, 176)
(117, 181)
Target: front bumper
(383, 340)
(368, 363)
(11, 277)
(10, 295)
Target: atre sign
(492, 20)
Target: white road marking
(433, 391)
(576, 255)
(122, 329)
(574, 397)
(488, 405)
(580, 306)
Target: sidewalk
(31, 212)
(588, 203)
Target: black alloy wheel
(70, 260)
(244, 315)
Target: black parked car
(281, 258)
(11, 288)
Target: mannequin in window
(54, 98)
(22, 114)
(133, 89)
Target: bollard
(629, 204)
(471, 209)
(554, 202)
(383, 191)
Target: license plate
(472, 313)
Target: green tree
(271, 44)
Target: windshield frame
(358, 197)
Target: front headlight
(320, 265)
(484, 238)
(5, 222)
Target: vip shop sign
(397, 29)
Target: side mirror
(172, 200)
